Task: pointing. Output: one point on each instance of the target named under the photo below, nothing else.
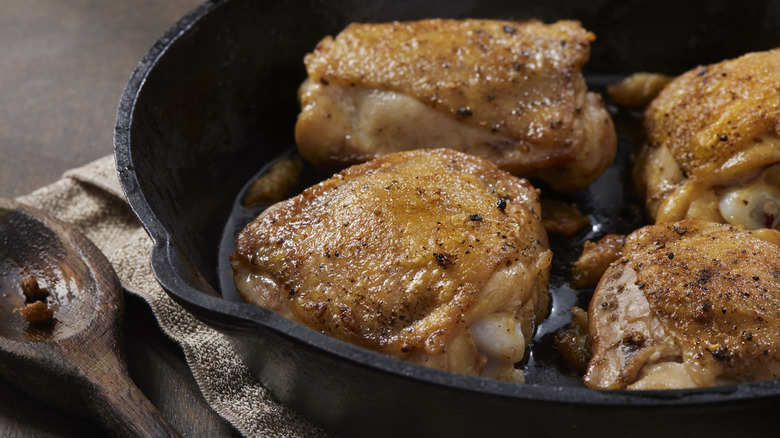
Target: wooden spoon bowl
(76, 359)
(31, 247)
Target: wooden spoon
(75, 360)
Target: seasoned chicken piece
(638, 90)
(594, 260)
(562, 218)
(690, 304)
(573, 342)
(508, 91)
(712, 147)
(433, 256)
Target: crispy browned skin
(275, 184)
(690, 304)
(709, 130)
(573, 342)
(595, 259)
(562, 218)
(508, 91)
(638, 90)
(402, 254)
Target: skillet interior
(214, 100)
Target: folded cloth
(91, 199)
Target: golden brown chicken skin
(690, 304)
(508, 91)
(712, 147)
(432, 256)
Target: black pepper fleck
(464, 112)
(721, 353)
(443, 259)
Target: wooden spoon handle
(126, 412)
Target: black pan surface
(213, 102)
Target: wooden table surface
(63, 66)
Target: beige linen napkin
(91, 199)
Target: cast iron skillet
(214, 101)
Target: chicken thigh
(712, 148)
(508, 91)
(432, 256)
(690, 304)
